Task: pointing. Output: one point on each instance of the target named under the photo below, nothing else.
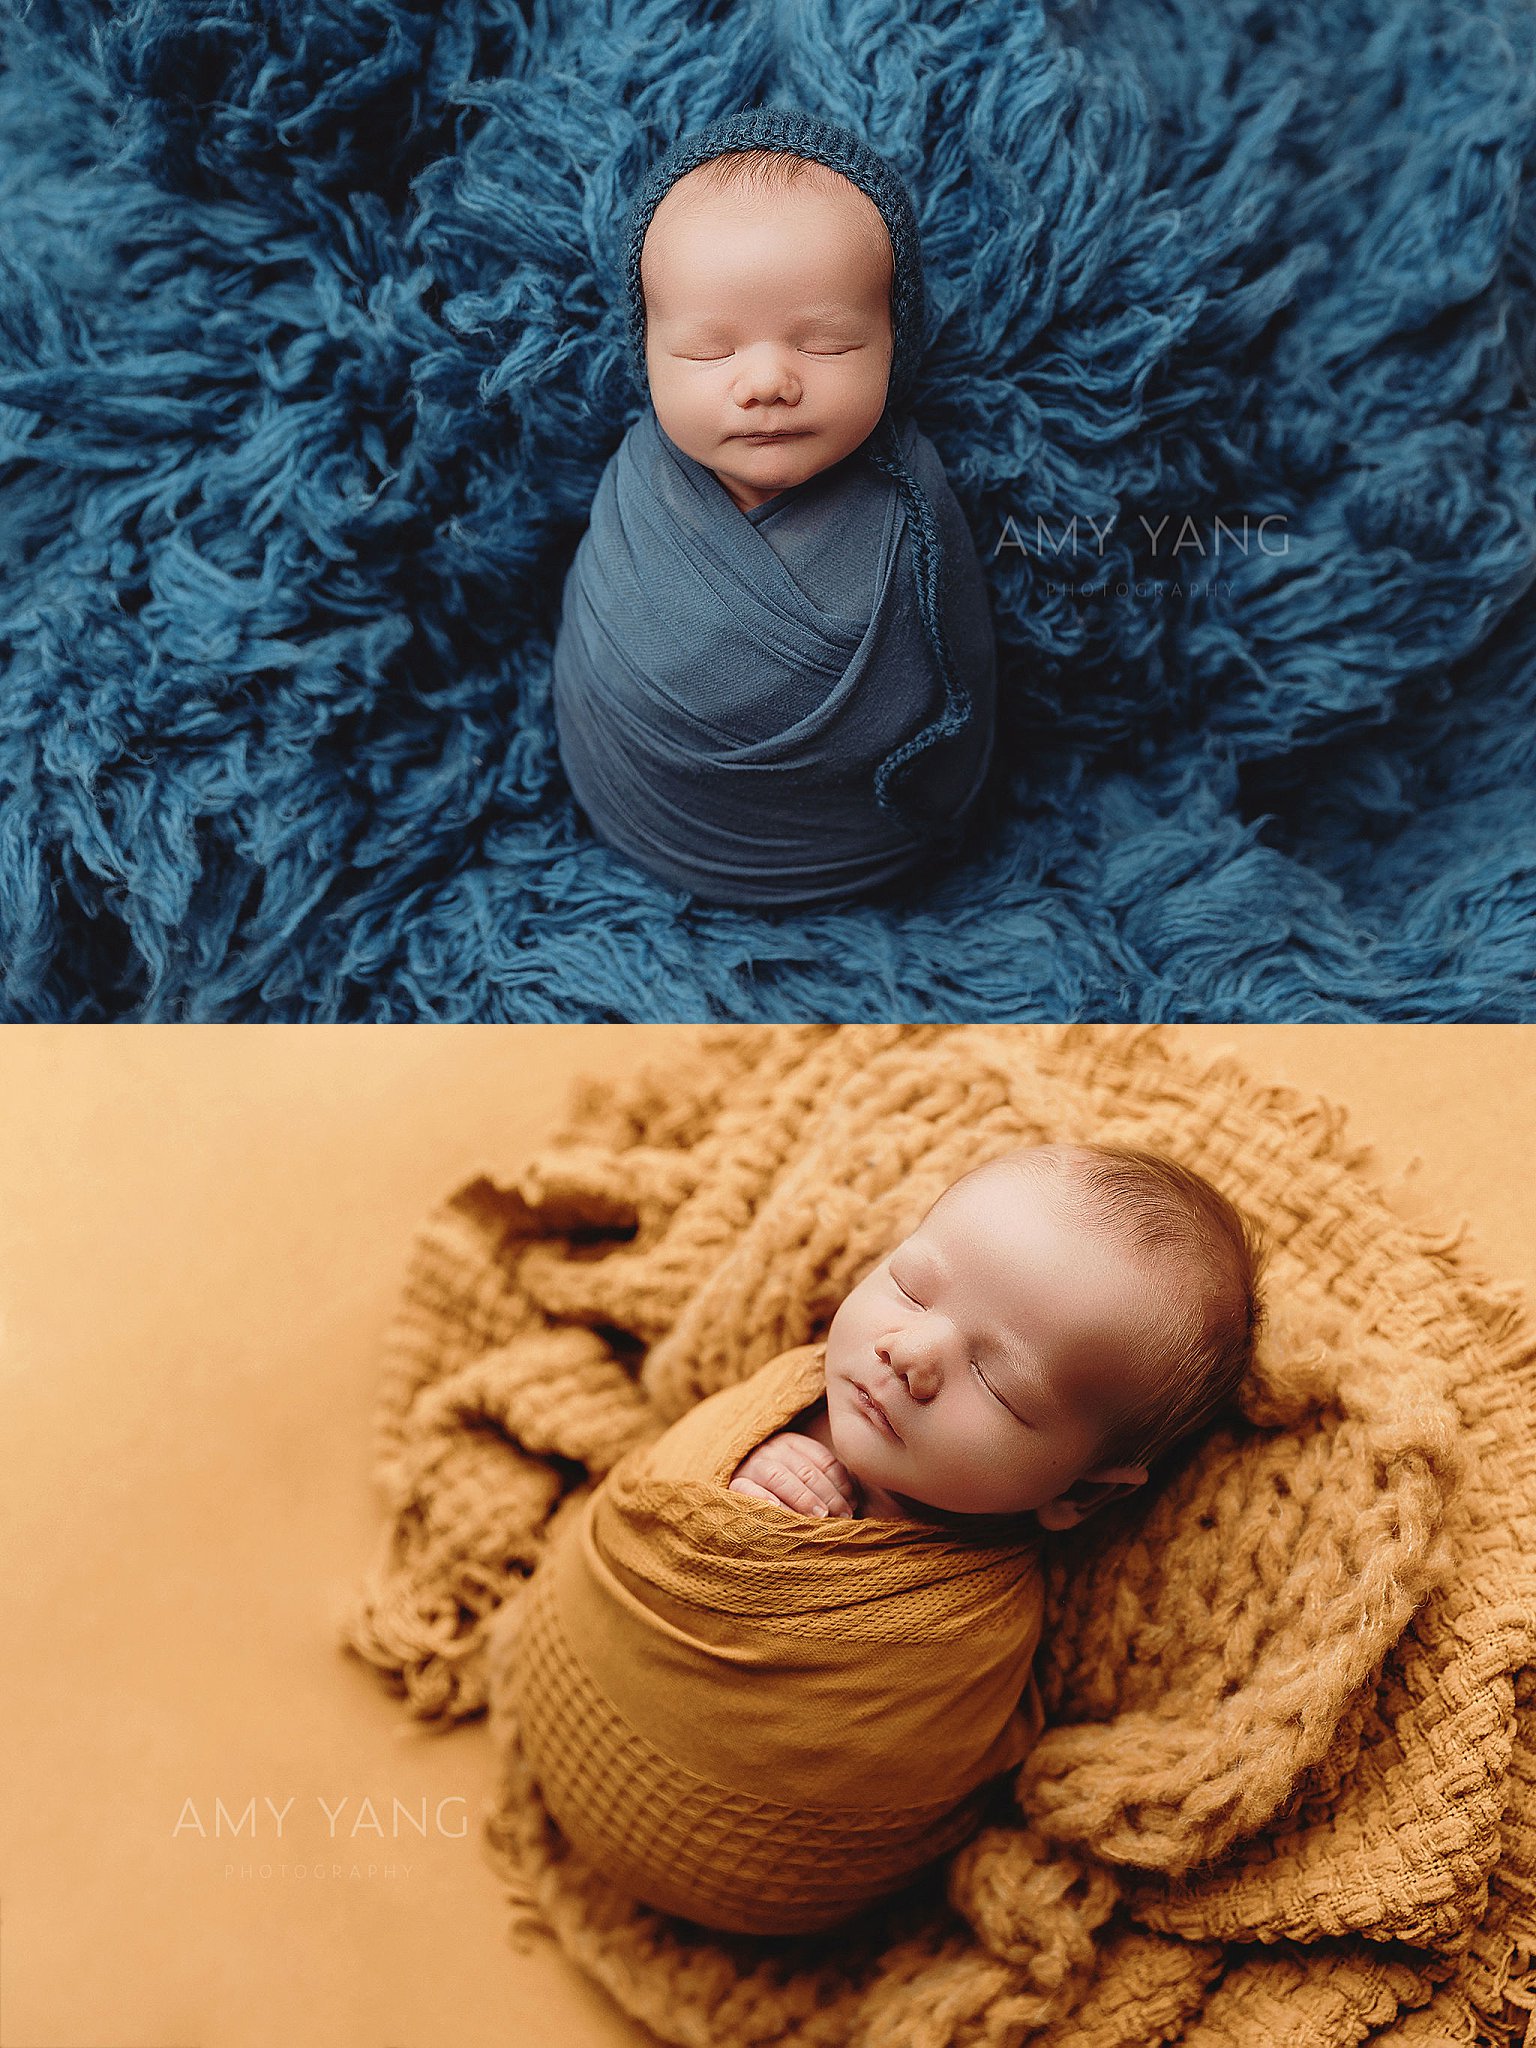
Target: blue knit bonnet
(799, 134)
(778, 128)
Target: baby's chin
(770, 477)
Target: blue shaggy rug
(311, 354)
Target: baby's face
(997, 1338)
(767, 314)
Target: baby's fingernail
(820, 1510)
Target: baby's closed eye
(724, 355)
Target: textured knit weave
(759, 1719)
(1286, 1791)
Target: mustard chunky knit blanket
(1286, 1790)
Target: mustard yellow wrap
(760, 1720)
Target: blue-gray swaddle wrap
(729, 684)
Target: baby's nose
(914, 1359)
(765, 373)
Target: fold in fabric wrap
(727, 684)
(683, 1649)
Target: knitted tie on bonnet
(797, 134)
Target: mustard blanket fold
(757, 1719)
(1284, 1795)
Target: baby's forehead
(698, 208)
(1045, 1188)
(1025, 1176)
(1109, 1289)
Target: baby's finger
(843, 1494)
(804, 1485)
(740, 1485)
(844, 1487)
(819, 1453)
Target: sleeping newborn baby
(782, 1658)
(774, 674)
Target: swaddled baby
(779, 1661)
(774, 676)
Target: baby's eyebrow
(1037, 1384)
(709, 326)
(930, 1266)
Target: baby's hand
(797, 1472)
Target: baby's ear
(1119, 1478)
(1077, 1503)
